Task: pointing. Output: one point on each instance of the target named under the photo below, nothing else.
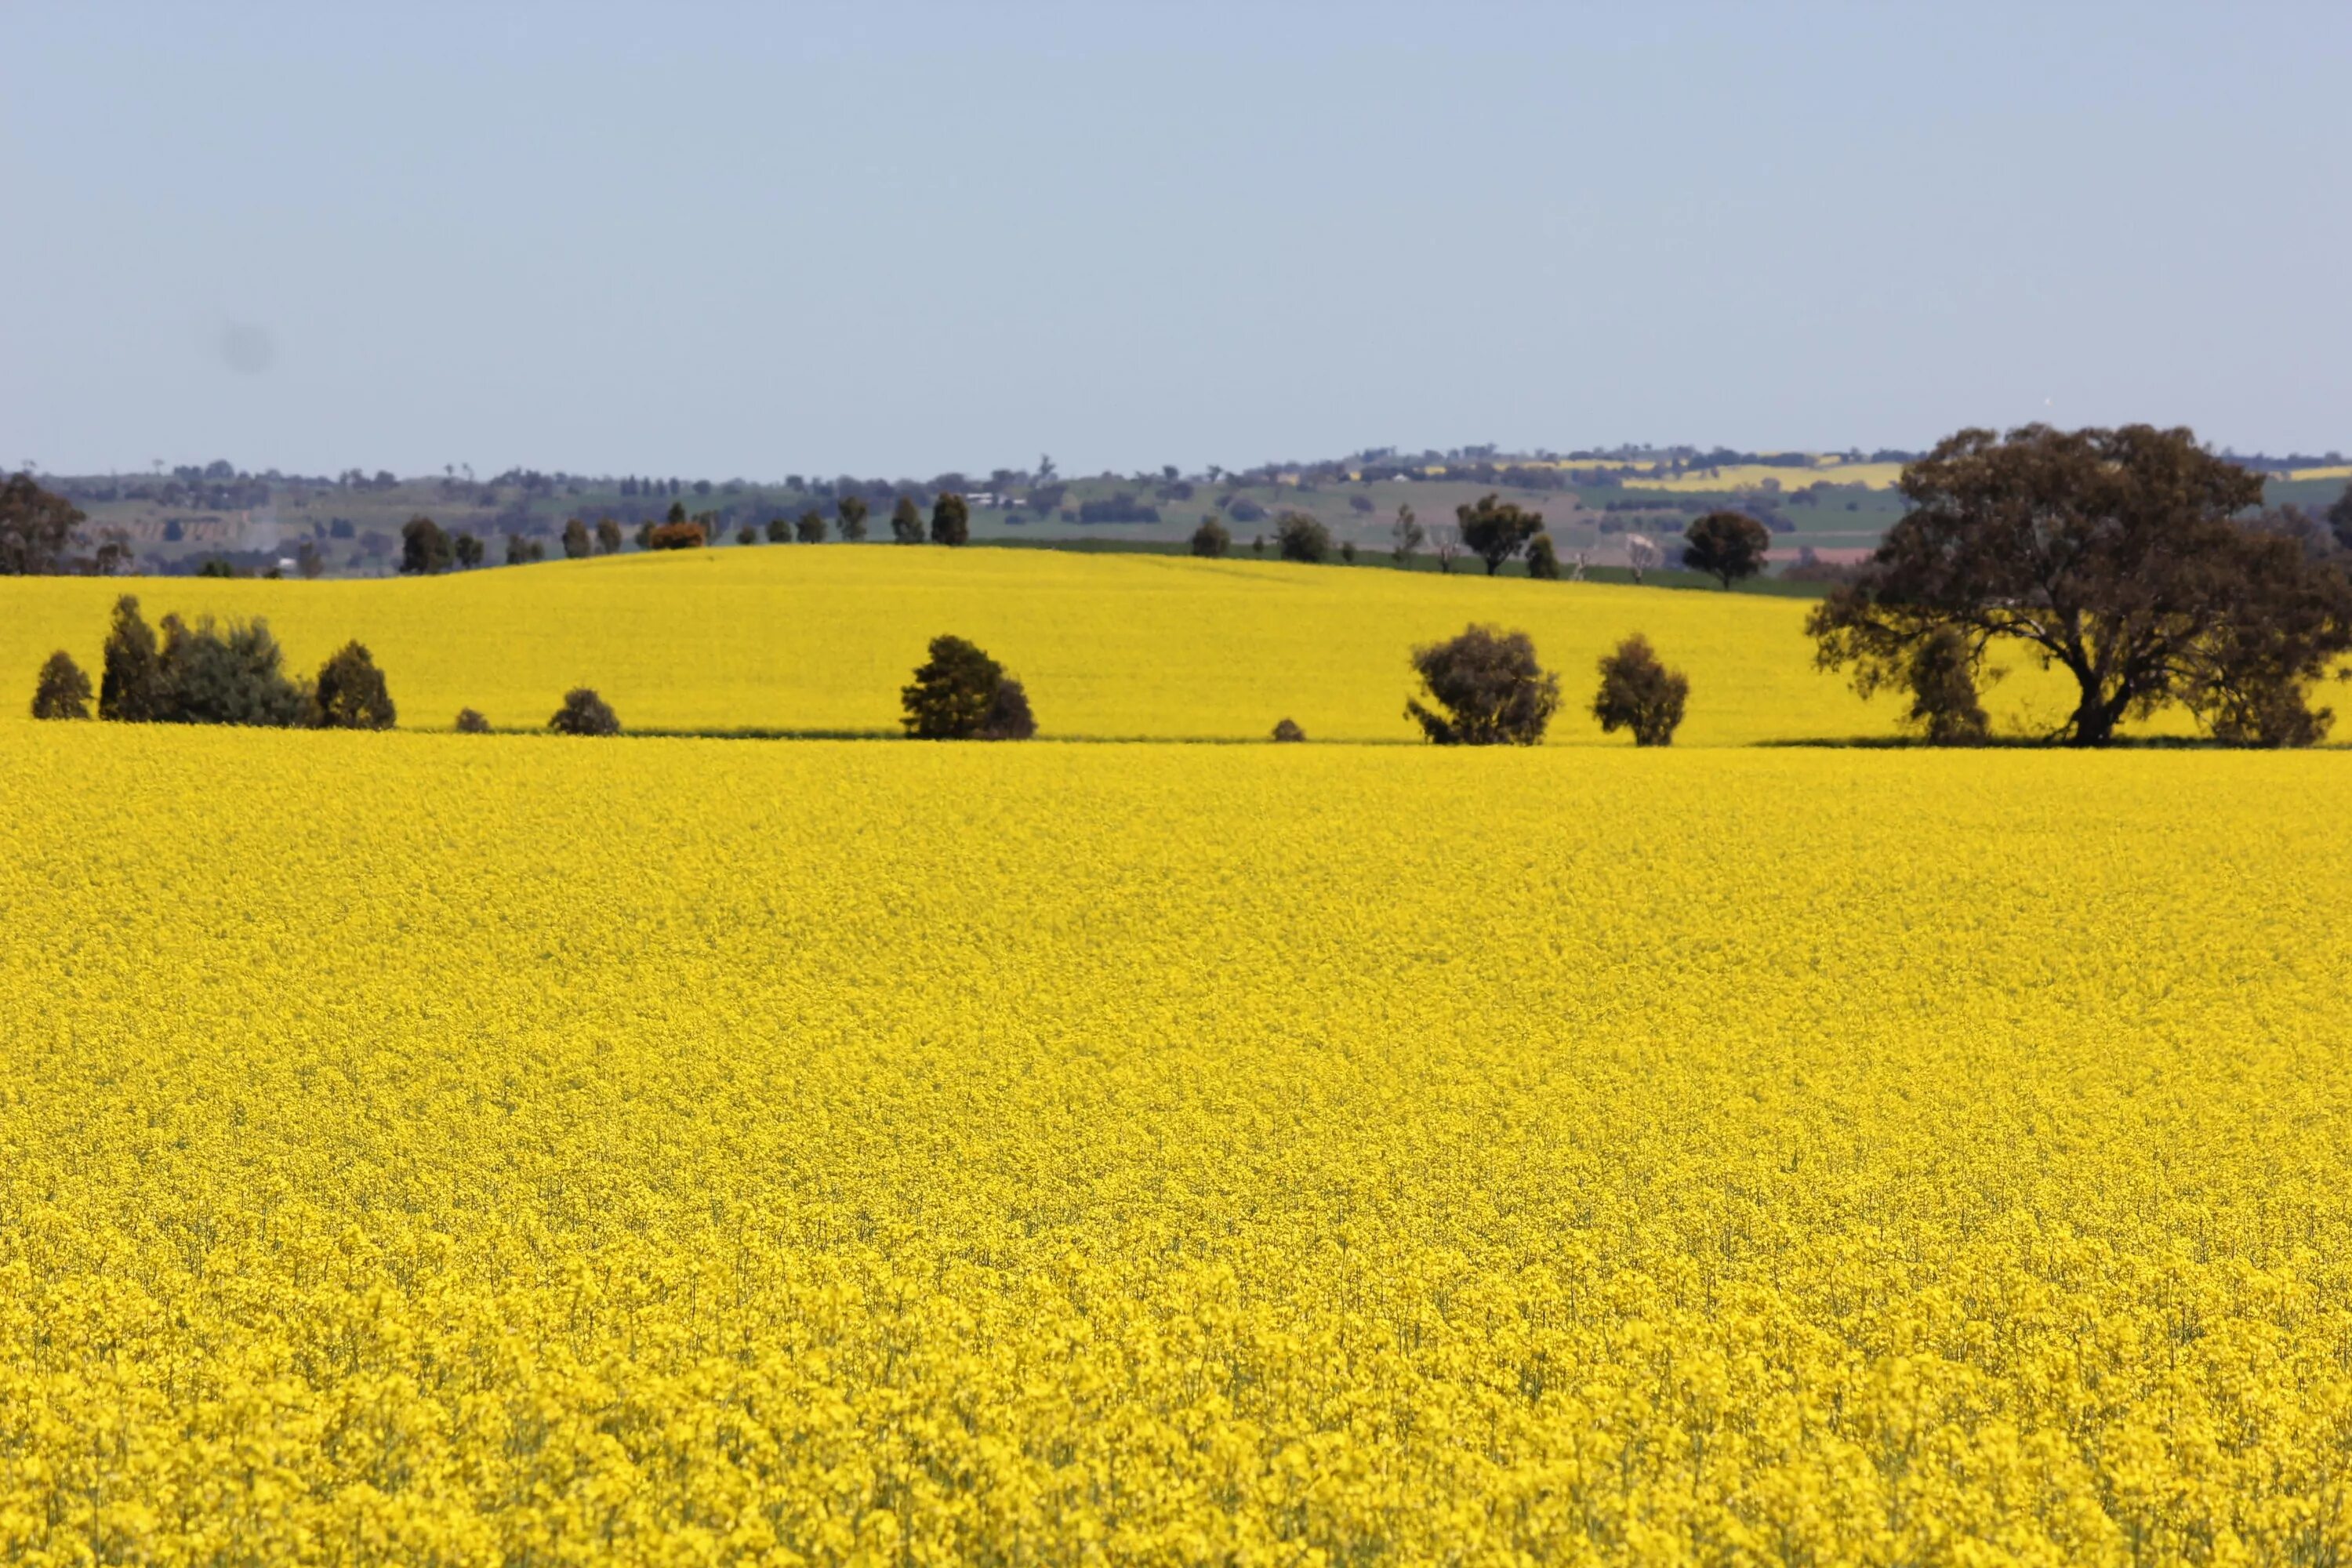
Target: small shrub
(584, 713)
(678, 533)
(950, 520)
(1543, 561)
(1211, 540)
(811, 526)
(1490, 689)
(351, 693)
(1942, 679)
(608, 536)
(62, 691)
(577, 545)
(747, 534)
(780, 530)
(1640, 694)
(1008, 717)
(465, 551)
(1287, 732)
(423, 548)
(1299, 537)
(469, 722)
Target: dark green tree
(469, 722)
(1212, 540)
(37, 527)
(423, 548)
(584, 713)
(577, 545)
(465, 551)
(1299, 537)
(130, 682)
(1640, 694)
(1487, 689)
(950, 520)
(2112, 555)
(906, 522)
(1497, 530)
(956, 696)
(780, 530)
(1287, 732)
(1729, 546)
(811, 526)
(608, 536)
(62, 691)
(1543, 561)
(351, 693)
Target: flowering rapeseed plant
(677, 1151)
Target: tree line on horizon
(2134, 559)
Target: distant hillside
(1834, 505)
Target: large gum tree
(2112, 554)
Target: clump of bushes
(584, 713)
(1212, 540)
(1484, 689)
(961, 694)
(1288, 732)
(471, 723)
(208, 673)
(1640, 694)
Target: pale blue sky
(902, 239)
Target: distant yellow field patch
(1751, 475)
(2337, 472)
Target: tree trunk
(2095, 720)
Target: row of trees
(1485, 688)
(206, 674)
(1726, 545)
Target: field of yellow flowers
(434, 1150)
(822, 639)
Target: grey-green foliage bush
(227, 675)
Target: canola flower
(1135, 646)
(452, 1150)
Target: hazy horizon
(909, 238)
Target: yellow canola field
(823, 638)
(435, 1150)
